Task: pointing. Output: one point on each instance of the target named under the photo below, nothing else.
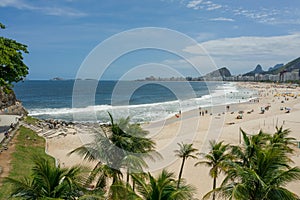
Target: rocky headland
(9, 103)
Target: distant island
(57, 79)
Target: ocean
(140, 100)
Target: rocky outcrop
(9, 104)
(258, 70)
(222, 72)
(7, 98)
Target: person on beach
(6, 134)
(227, 107)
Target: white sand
(191, 127)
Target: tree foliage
(185, 151)
(48, 181)
(260, 168)
(163, 187)
(123, 147)
(216, 159)
(12, 67)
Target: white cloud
(62, 12)
(242, 54)
(273, 16)
(214, 7)
(222, 19)
(259, 15)
(270, 16)
(15, 3)
(194, 4)
(200, 4)
(252, 46)
(56, 11)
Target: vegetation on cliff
(12, 67)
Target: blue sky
(238, 34)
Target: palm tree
(264, 179)
(125, 146)
(265, 173)
(216, 159)
(107, 158)
(185, 151)
(139, 148)
(282, 140)
(164, 187)
(244, 153)
(133, 164)
(48, 181)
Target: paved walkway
(5, 122)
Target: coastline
(153, 103)
(220, 126)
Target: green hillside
(295, 64)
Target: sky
(237, 34)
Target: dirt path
(5, 159)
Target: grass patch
(30, 120)
(28, 145)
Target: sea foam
(224, 94)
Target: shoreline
(147, 112)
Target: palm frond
(281, 193)
(120, 190)
(24, 187)
(88, 153)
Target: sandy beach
(221, 125)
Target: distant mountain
(258, 70)
(294, 64)
(224, 72)
(275, 67)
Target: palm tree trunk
(214, 187)
(127, 178)
(133, 184)
(180, 172)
